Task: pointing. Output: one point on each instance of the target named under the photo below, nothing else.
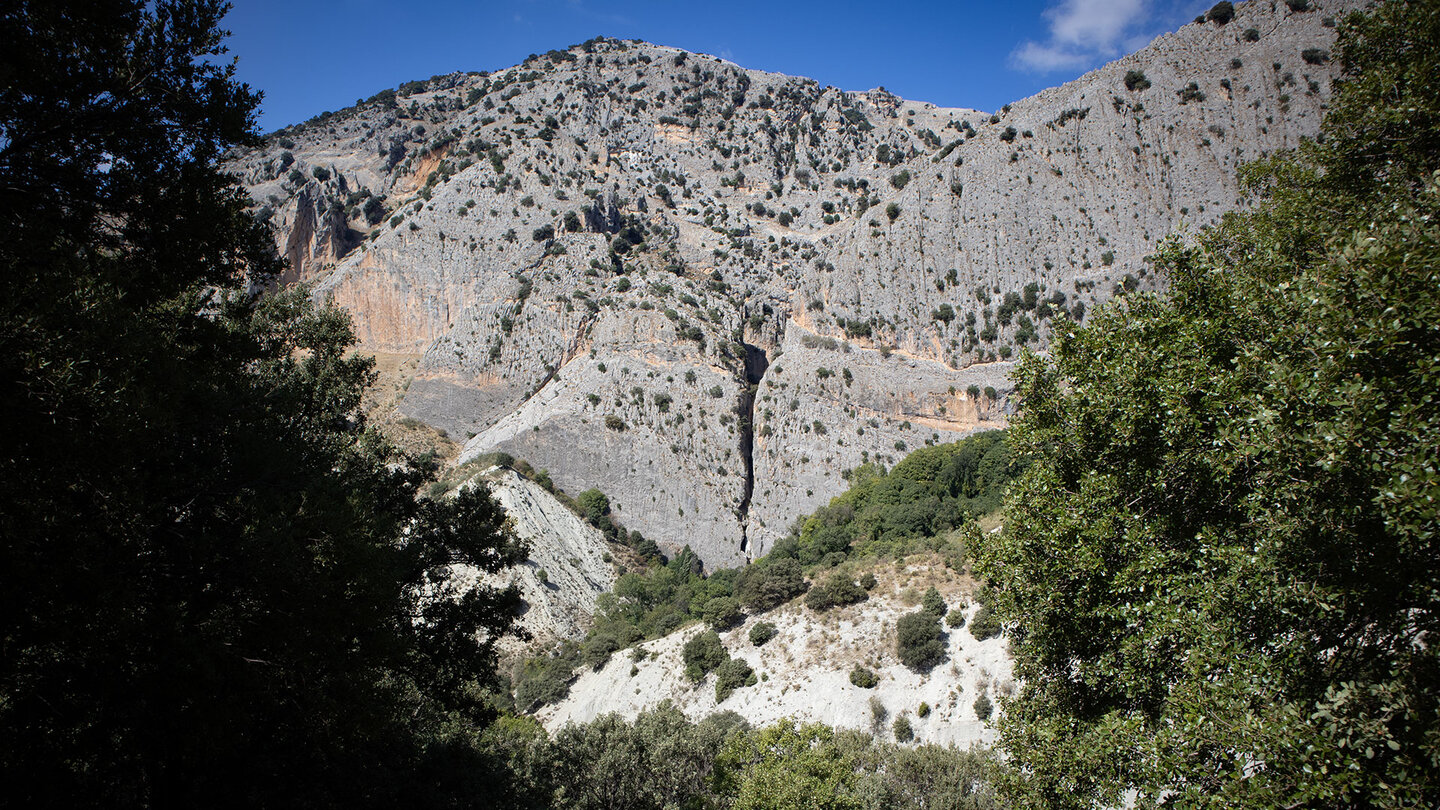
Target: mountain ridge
(710, 291)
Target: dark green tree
(217, 586)
(702, 654)
(917, 641)
(1219, 566)
(769, 583)
(731, 675)
(761, 633)
(933, 603)
(723, 613)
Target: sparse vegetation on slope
(912, 507)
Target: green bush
(839, 590)
(863, 678)
(545, 679)
(769, 583)
(733, 674)
(933, 603)
(594, 505)
(374, 210)
(903, 732)
(955, 618)
(844, 590)
(924, 710)
(985, 625)
(819, 600)
(722, 613)
(761, 633)
(598, 646)
(917, 641)
(983, 707)
(1135, 81)
(892, 211)
(1222, 12)
(702, 654)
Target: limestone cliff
(709, 291)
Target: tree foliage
(1220, 563)
(663, 760)
(788, 767)
(917, 641)
(702, 654)
(770, 582)
(731, 675)
(217, 585)
(930, 491)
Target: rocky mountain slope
(709, 291)
(803, 672)
(568, 566)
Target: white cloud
(1095, 24)
(1045, 58)
(1083, 32)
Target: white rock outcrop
(804, 674)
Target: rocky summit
(710, 291)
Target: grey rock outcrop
(621, 261)
(567, 568)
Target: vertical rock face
(316, 233)
(630, 264)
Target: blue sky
(309, 56)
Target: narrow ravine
(756, 362)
